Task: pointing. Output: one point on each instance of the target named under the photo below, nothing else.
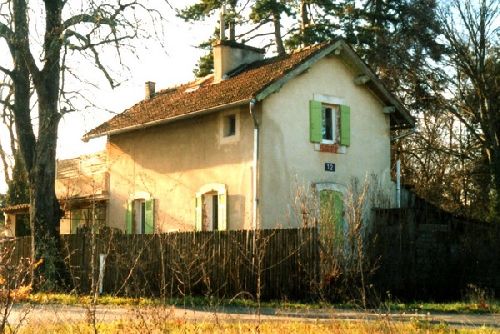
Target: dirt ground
(62, 313)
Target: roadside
(57, 313)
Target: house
(224, 151)
(82, 189)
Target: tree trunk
(277, 33)
(44, 208)
(495, 173)
(304, 17)
(39, 152)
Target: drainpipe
(254, 162)
(398, 184)
(398, 168)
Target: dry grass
(181, 326)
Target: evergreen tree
(205, 65)
(200, 12)
(265, 11)
(18, 188)
(316, 21)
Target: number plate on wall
(329, 167)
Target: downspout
(398, 184)
(255, 200)
(398, 168)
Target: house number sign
(329, 167)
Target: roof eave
(378, 86)
(277, 84)
(87, 137)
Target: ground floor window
(211, 208)
(139, 209)
(81, 219)
(22, 225)
(140, 214)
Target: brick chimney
(228, 55)
(150, 90)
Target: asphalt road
(54, 313)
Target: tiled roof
(244, 84)
(203, 94)
(16, 208)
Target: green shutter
(345, 125)
(198, 212)
(129, 218)
(149, 226)
(315, 130)
(222, 212)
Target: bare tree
(6, 96)
(471, 31)
(71, 28)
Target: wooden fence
(425, 252)
(280, 263)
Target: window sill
(230, 139)
(331, 148)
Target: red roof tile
(246, 83)
(17, 208)
(203, 94)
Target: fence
(273, 263)
(428, 253)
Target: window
(81, 219)
(329, 123)
(211, 208)
(229, 127)
(22, 225)
(139, 212)
(140, 215)
(210, 212)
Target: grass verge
(126, 327)
(423, 307)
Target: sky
(167, 66)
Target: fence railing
(281, 263)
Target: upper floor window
(229, 126)
(329, 123)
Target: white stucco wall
(172, 162)
(289, 160)
(9, 227)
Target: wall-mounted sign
(329, 167)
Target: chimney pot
(150, 89)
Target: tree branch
(87, 18)
(6, 71)
(6, 33)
